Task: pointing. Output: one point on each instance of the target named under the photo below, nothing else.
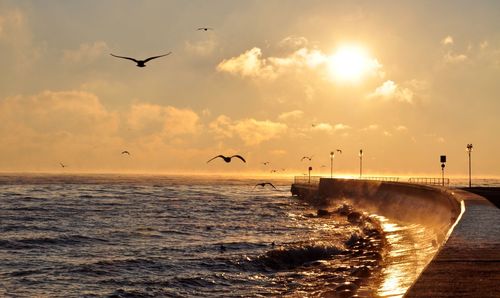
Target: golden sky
(406, 81)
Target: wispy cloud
(86, 53)
(448, 40)
(201, 48)
(390, 90)
(292, 115)
(164, 121)
(454, 58)
(251, 131)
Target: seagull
(306, 157)
(125, 152)
(339, 151)
(263, 184)
(228, 158)
(204, 29)
(265, 163)
(274, 171)
(141, 63)
(62, 165)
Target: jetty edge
(467, 263)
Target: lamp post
(469, 150)
(332, 154)
(360, 163)
(310, 169)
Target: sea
(181, 236)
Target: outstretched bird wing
(125, 152)
(204, 28)
(269, 183)
(154, 57)
(136, 61)
(305, 158)
(240, 157)
(221, 156)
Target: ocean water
(159, 236)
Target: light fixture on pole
(469, 150)
(332, 154)
(360, 163)
(442, 159)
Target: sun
(351, 64)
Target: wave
(28, 243)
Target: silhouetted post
(331, 163)
(360, 163)
(310, 169)
(443, 161)
(469, 150)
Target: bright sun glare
(350, 63)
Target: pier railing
(430, 181)
(306, 180)
(390, 179)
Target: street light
(469, 150)
(360, 163)
(331, 163)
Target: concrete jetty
(468, 230)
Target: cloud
(252, 64)
(390, 90)
(292, 115)
(251, 131)
(248, 64)
(86, 53)
(16, 40)
(51, 113)
(165, 121)
(341, 126)
(293, 42)
(201, 48)
(454, 58)
(448, 40)
(327, 127)
(401, 128)
(371, 127)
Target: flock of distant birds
(227, 159)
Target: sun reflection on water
(410, 249)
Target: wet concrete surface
(468, 265)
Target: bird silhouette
(263, 184)
(274, 171)
(204, 29)
(62, 165)
(339, 151)
(265, 163)
(228, 158)
(141, 63)
(306, 157)
(125, 152)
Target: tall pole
(331, 163)
(469, 150)
(360, 163)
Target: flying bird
(306, 157)
(339, 151)
(62, 165)
(263, 184)
(204, 29)
(141, 63)
(125, 152)
(274, 171)
(265, 163)
(228, 158)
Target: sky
(405, 81)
